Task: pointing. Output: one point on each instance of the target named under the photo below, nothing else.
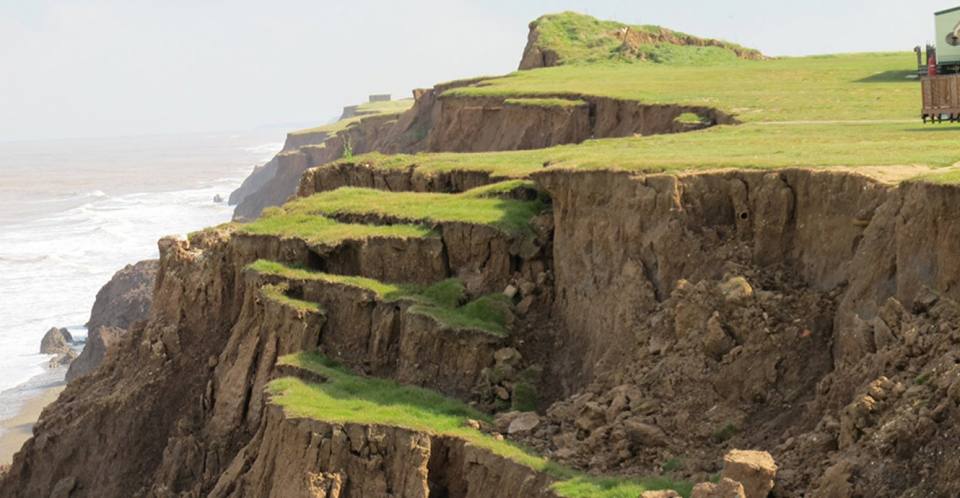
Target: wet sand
(15, 431)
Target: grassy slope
(844, 110)
(479, 206)
(577, 38)
(445, 301)
(347, 398)
(364, 110)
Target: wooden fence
(941, 97)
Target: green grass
(950, 177)
(584, 486)
(278, 293)
(689, 118)
(348, 398)
(317, 229)
(672, 465)
(510, 216)
(444, 301)
(725, 433)
(580, 39)
(852, 86)
(545, 102)
(364, 110)
(750, 146)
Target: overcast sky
(80, 68)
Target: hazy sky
(128, 67)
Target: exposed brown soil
(809, 314)
(439, 122)
(121, 302)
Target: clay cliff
(120, 303)
(441, 121)
(620, 324)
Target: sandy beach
(16, 430)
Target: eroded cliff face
(808, 313)
(811, 314)
(121, 302)
(189, 384)
(297, 457)
(451, 123)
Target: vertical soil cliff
(811, 314)
(120, 303)
(445, 122)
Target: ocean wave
(54, 263)
(24, 259)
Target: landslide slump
(809, 314)
(658, 320)
(174, 403)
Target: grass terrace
(348, 398)
(364, 110)
(478, 206)
(744, 147)
(278, 294)
(444, 301)
(866, 86)
(317, 229)
(853, 110)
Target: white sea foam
(53, 265)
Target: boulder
(524, 422)
(507, 356)
(62, 359)
(56, 341)
(726, 488)
(644, 434)
(503, 420)
(736, 289)
(661, 493)
(716, 341)
(755, 470)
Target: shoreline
(32, 397)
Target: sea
(73, 212)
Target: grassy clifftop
(851, 110)
(573, 38)
(365, 110)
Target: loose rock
(726, 488)
(756, 470)
(663, 493)
(524, 422)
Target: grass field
(480, 206)
(445, 301)
(843, 110)
(348, 398)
